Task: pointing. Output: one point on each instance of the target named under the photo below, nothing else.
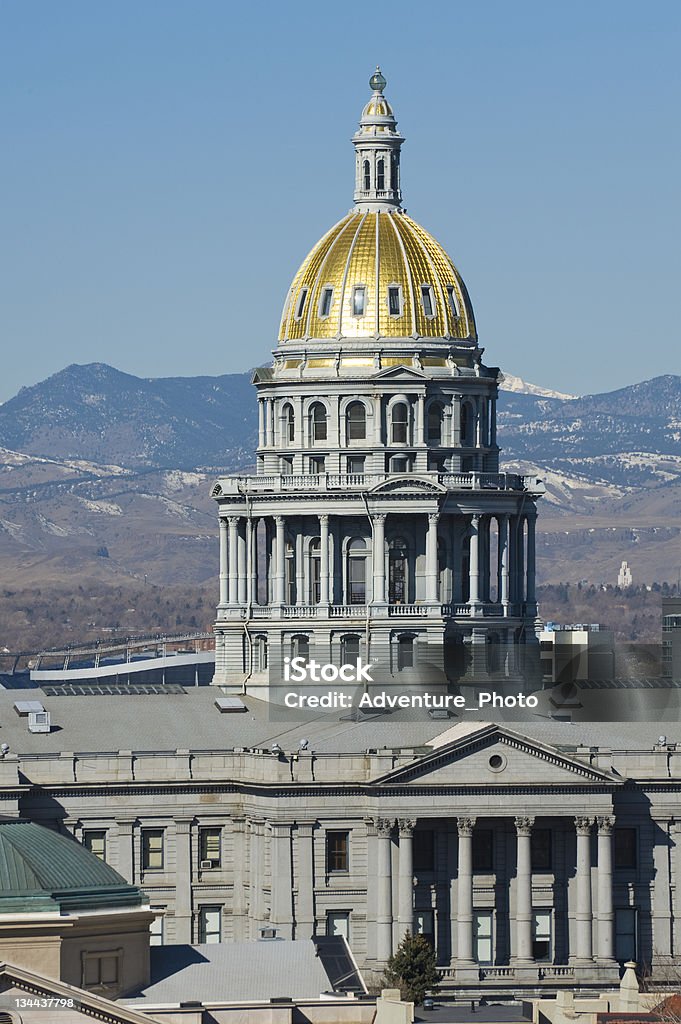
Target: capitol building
(378, 523)
(538, 853)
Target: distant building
(624, 576)
(577, 652)
(671, 637)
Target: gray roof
(191, 721)
(235, 971)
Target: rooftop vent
(27, 707)
(39, 721)
(229, 705)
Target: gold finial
(377, 81)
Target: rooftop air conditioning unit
(39, 721)
(206, 864)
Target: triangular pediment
(403, 371)
(496, 756)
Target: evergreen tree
(412, 968)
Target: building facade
(377, 524)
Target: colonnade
(510, 581)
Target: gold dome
(377, 274)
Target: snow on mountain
(509, 382)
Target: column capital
(384, 826)
(233, 520)
(475, 519)
(465, 826)
(523, 826)
(222, 521)
(605, 824)
(379, 517)
(324, 518)
(583, 825)
(406, 826)
(278, 520)
(433, 518)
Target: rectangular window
(356, 463)
(424, 925)
(541, 849)
(152, 849)
(541, 936)
(625, 934)
(338, 923)
(325, 303)
(427, 299)
(156, 928)
(399, 464)
(482, 937)
(301, 304)
(100, 970)
(210, 841)
(357, 580)
(337, 845)
(286, 465)
(317, 465)
(453, 302)
(358, 300)
(210, 924)
(625, 848)
(424, 850)
(95, 842)
(483, 849)
(394, 300)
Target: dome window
(290, 423)
(325, 301)
(367, 175)
(356, 421)
(380, 175)
(453, 301)
(301, 303)
(359, 297)
(427, 300)
(394, 300)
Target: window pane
(156, 929)
(625, 934)
(405, 652)
(482, 849)
(337, 923)
(209, 843)
(424, 850)
(482, 937)
(356, 419)
(394, 304)
(540, 845)
(349, 649)
(301, 304)
(358, 300)
(427, 296)
(453, 300)
(367, 175)
(625, 848)
(210, 924)
(337, 851)
(152, 849)
(95, 842)
(380, 175)
(399, 423)
(356, 463)
(318, 422)
(325, 305)
(541, 938)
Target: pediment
(16, 982)
(402, 371)
(499, 757)
(408, 483)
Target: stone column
(531, 559)
(523, 915)
(281, 915)
(378, 558)
(420, 420)
(474, 563)
(233, 522)
(503, 563)
(224, 564)
(304, 911)
(183, 881)
(431, 558)
(300, 566)
(493, 423)
(405, 890)
(324, 559)
(605, 912)
(239, 932)
(261, 424)
(464, 911)
(268, 423)
(519, 554)
(384, 913)
(584, 914)
(241, 560)
(125, 863)
(280, 556)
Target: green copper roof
(43, 870)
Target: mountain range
(107, 474)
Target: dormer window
(394, 300)
(325, 301)
(453, 301)
(301, 304)
(359, 297)
(427, 300)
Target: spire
(377, 152)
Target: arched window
(357, 571)
(318, 420)
(435, 413)
(260, 654)
(400, 423)
(380, 175)
(349, 649)
(300, 646)
(315, 570)
(367, 176)
(356, 421)
(405, 652)
(290, 573)
(290, 423)
(398, 562)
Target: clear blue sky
(167, 165)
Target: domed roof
(41, 870)
(377, 273)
